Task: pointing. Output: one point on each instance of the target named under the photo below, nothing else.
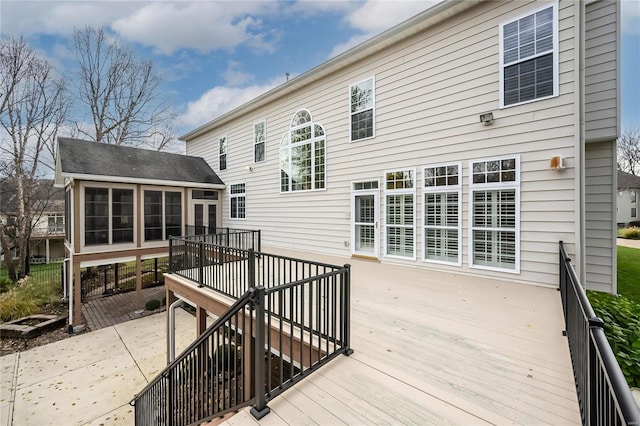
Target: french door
(365, 217)
(204, 217)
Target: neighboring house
(627, 200)
(123, 204)
(47, 233)
(470, 138)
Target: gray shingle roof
(80, 157)
(627, 181)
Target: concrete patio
(430, 348)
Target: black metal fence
(50, 275)
(301, 314)
(603, 393)
(228, 237)
(104, 280)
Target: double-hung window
(400, 207)
(162, 214)
(259, 141)
(529, 57)
(237, 201)
(442, 209)
(222, 147)
(494, 216)
(302, 155)
(108, 215)
(362, 109)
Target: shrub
(14, 305)
(632, 233)
(152, 305)
(622, 327)
(5, 284)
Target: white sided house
(470, 138)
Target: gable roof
(627, 181)
(431, 16)
(89, 160)
(45, 198)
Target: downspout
(172, 329)
(581, 147)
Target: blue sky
(215, 55)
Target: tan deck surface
(438, 348)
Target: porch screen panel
(96, 216)
(122, 216)
(173, 214)
(152, 215)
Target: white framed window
(494, 216)
(303, 155)
(162, 213)
(222, 147)
(237, 201)
(529, 57)
(442, 210)
(634, 212)
(634, 197)
(362, 101)
(400, 208)
(107, 215)
(259, 141)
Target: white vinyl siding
(528, 57)
(600, 190)
(400, 208)
(442, 211)
(362, 101)
(494, 187)
(430, 89)
(601, 79)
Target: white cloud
(204, 26)
(630, 11)
(375, 16)
(235, 75)
(220, 100)
(352, 42)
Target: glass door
(204, 218)
(365, 212)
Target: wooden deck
(438, 348)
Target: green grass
(629, 273)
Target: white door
(204, 217)
(365, 212)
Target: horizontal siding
(601, 70)
(430, 90)
(600, 216)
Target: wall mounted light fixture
(249, 168)
(557, 162)
(486, 118)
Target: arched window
(302, 155)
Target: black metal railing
(229, 237)
(293, 313)
(603, 393)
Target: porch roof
(88, 160)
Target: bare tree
(122, 93)
(629, 151)
(33, 108)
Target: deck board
(438, 348)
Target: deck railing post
(200, 264)
(171, 254)
(227, 234)
(170, 393)
(251, 269)
(591, 386)
(259, 240)
(260, 408)
(347, 310)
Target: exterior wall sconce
(557, 162)
(486, 118)
(249, 168)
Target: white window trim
(264, 122)
(373, 109)
(402, 191)
(164, 190)
(109, 246)
(442, 189)
(244, 194)
(313, 157)
(226, 151)
(555, 55)
(489, 186)
(376, 192)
